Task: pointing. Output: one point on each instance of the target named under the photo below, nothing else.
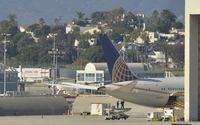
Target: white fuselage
(149, 92)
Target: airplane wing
(77, 86)
(129, 87)
(126, 86)
(177, 94)
(62, 85)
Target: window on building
(89, 77)
(12, 77)
(1, 77)
(80, 76)
(99, 77)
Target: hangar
(192, 60)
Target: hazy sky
(29, 11)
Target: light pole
(54, 52)
(5, 35)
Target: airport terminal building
(98, 72)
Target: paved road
(77, 120)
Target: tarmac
(83, 104)
(80, 120)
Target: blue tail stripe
(117, 67)
(110, 52)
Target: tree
(167, 19)
(93, 54)
(44, 46)
(117, 13)
(131, 20)
(178, 54)
(154, 21)
(12, 19)
(84, 41)
(39, 30)
(10, 25)
(27, 51)
(45, 29)
(70, 55)
(81, 21)
(135, 34)
(98, 17)
(131, 55)
(80, 15)
(178, 25)
(145, 37)
(165, 48)
(84, 44)
(60, 29)
(57, 21)
(41, 22)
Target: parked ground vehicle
(116, 116)
(166, 118)
(154, 116)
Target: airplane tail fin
(117, 67)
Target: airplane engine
(175, 101)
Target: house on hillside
(68, 29)
(153, 37)
(158, 57)
(177, 31)
(23, 28)
(139, 40)
(89, 29)
(166, 36)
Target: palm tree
(80, 15)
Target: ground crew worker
(122, 104)
(117, 104)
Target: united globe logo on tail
(121, 72)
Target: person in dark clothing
(122, 104)
(117, 104)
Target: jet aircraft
(126, 85)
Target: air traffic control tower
(192, 60)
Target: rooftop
(7, 68)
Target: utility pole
(5, 35)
